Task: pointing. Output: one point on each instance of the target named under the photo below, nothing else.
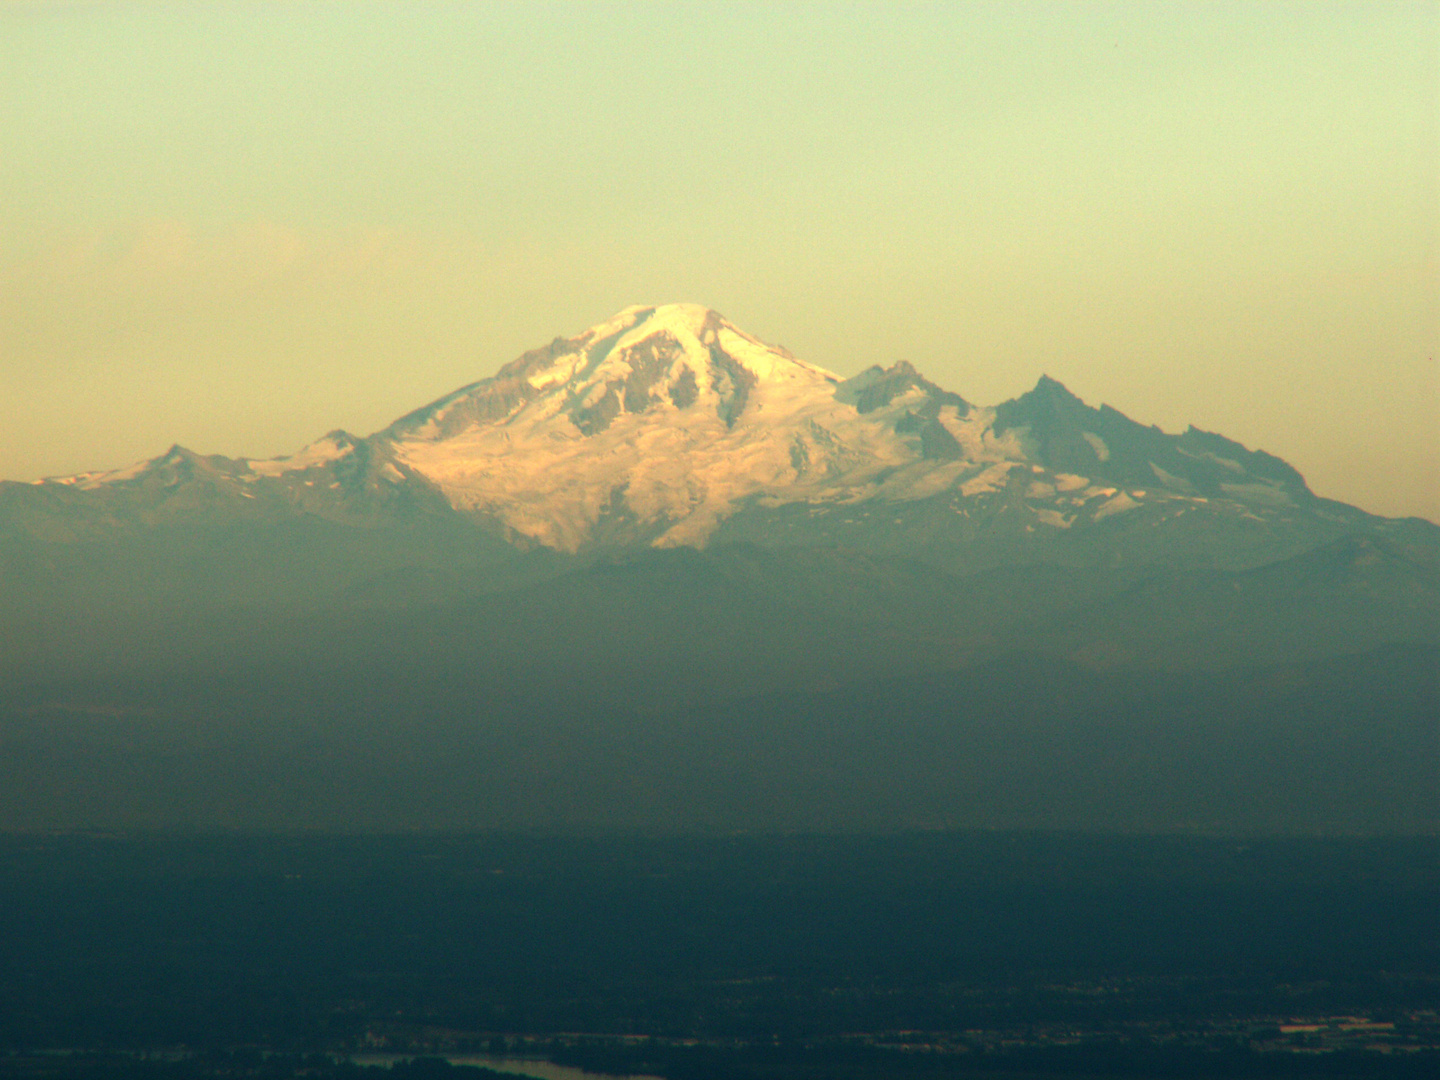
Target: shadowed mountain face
(661, 575)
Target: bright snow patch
(331, 448)
(1264, 493)
(1170, 480)
(1097, 444)
(1118, 505)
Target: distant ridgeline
(662, 576)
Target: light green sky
(238, 225)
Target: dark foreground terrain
(940, 954)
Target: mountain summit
(670, 416)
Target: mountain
(669, 426)
(663, 575)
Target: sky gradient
(238, 225)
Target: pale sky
(238, 225)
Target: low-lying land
(747, 956)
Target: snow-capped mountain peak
(668, 419)
(669, 358)
(665, 425)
